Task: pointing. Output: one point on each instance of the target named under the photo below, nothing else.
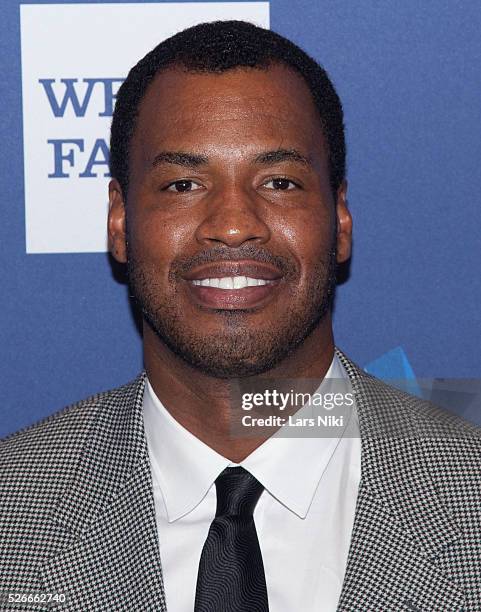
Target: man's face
(229, 180)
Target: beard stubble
(242, 350)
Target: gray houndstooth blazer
(77, 511)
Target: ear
(116, 227)
(344, 224)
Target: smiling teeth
(232, 282)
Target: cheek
(307, 235)
(158, 238)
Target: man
(228, 206)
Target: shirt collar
(185, 468)
(291, 468)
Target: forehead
(240, 107)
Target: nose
(232, 216)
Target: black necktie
(231, 573)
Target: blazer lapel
(401, 525)
(107, 551)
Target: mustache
(220, 253)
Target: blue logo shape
(394, 368)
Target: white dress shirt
(303, 518)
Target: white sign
(74, 59)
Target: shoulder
(390, 413)
(417, 414)
(406, 414)
(50, 448)
(385, 404)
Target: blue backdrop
(408, 74)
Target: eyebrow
(193, 160)
(179, 158)
(281, 155)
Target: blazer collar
(401, 529)
(395, 466)
(113, 449)
(104, 545)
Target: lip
(233, 299)
(253, 269)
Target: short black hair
(216, 47)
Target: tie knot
(237, 492)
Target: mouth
(233, 285)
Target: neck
(202, 403)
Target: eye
(281, 184)
(182, 186)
